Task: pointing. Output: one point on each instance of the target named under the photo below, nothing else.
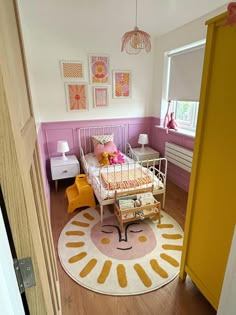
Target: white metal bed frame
(157, 167)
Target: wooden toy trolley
(136, 213)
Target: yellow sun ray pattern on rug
(169, 259)
(158, 269)
(89, 255)
(121, 275)
(88, 216)
(164, 226)
(172, 236)
(77, 257)
(172, 247)
(105, 271)
(88, 268)
(79, 223)
(79, 233)
(75, 244)
(143, 275)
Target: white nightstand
(146, 153)
(64, 168)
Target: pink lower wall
(43, 160)
(51, 132)
(55, 131)
(175, 174)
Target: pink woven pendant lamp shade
(135, 41)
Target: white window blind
(186, 74)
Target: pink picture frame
(99, 69)
(100, 96)
(122, 84)
(76, 96)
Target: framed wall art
(121, 85)
(100, 96)
(99, 69)
(72, 70)
(76, 96)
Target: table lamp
(143, 139)
(62, 147)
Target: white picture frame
(121, 84)
(72, 70)
(100, 96)
(76, 96)
(99, 69)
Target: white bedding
(94, 169)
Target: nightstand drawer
(146, 153)
(149, 156)
(65, 171)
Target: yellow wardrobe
(211, 210)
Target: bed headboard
(85, 136)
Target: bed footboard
(130, 176)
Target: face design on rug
(137, 240)
(98, 256)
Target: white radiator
(179, 156)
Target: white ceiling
(161, 16)
(154, 16)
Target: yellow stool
(80, 194)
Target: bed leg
(101, 212)
(163, 200)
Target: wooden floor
(176, 298)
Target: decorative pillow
(107, 147)
(102, 139)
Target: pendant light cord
(136, 13)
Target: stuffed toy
(118, 158)
(231, 16)
(104, 158)
(167, 116)
(172, 124)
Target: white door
(20, 172)
(10, 298)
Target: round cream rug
(98, 256)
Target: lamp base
(64, 157)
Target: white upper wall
(52, 34)
(184, 35)
(55, 30)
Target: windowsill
(180, 131)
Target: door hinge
(24, 273)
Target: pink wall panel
(135, 129)
(177, 175)
(54, 135)
(50, 133)
(42, 155)
(55, 131)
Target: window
(186, 114)
(184, 75)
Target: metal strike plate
(24, 273)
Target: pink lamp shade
(143, 139)
(62, 147)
